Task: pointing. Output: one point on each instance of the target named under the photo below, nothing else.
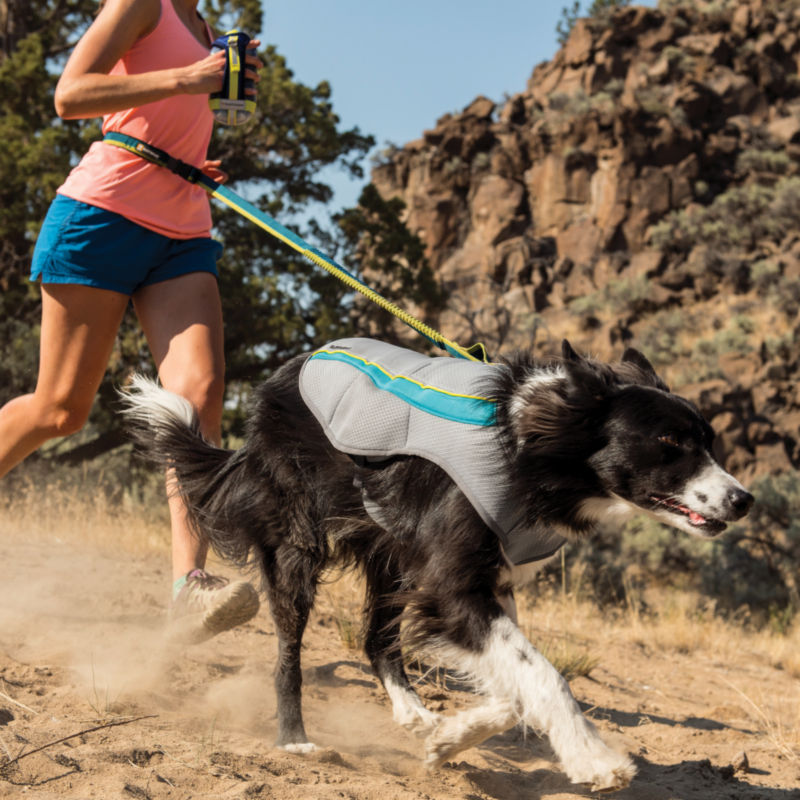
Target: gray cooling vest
(376, 400)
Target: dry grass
(81, 514)
(781, 730)
(343, 594)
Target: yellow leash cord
(476, 352)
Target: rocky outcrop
(644, 188)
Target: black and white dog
(586, 442)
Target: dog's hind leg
(522, 685)
(382, 646)
(291, 578)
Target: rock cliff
(643, 189)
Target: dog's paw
(444, 742)
(616, 773)
(619, 779)
(299, 748)
(420, 723)
(437, 753)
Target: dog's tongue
(696, 519)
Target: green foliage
(391, 257)
(222, 15)
(569, 16)
(703, 361)
(755, 564)
(619, 296)
(771, 162)
(570, 104)
(680, 62)
(769, 280)
(659, 340)
(599, 11)
(735, 220)
(35, 155)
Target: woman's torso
(122, 182)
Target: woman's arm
(85, 89)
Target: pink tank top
(122, 182)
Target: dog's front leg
(522, 685)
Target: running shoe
(210, 604)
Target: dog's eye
(669, 440)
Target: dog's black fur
(583, 438)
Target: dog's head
(619, 441)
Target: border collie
(588, 443)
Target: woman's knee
(61, 417)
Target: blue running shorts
(88, 245)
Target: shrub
(659, 341)
(571, 104)
(774, 162)
(735, 337)
(755, 563)
(734, 220)
(599, 12)
(765, 274)
(621, 296)
(679, 60)
(652, 100)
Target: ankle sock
(178, 585)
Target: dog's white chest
(376, 400)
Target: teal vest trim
(468, 409)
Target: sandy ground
(81, 647)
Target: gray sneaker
(209, 604)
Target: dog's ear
(639, 359)
(646, 373)
(586, 377)
(569, 354)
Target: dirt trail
(81, 646)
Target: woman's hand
(253, 64)
(212, 169)
(204, 76)
(86, 89)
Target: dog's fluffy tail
(166, 429)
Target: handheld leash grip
(231, 106)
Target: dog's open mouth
(696, 519)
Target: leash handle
(476, 352)
(232, 105)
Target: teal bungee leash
(476, 352)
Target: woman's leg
(79, 326)
(182, 320)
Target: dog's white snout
(716, 493)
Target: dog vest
(376, 401)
